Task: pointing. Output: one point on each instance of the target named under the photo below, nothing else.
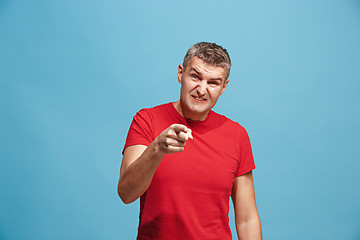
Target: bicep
(243, 197)
(131, 153)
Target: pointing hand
(174, 138)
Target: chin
(200, 109)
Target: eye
(213, 83)
(195, 76)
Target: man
(184, 161)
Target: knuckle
(169, 134)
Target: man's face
(201, 86)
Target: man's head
(203, 78)
(210, 53)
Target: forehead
(202, 67)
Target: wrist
(157, 151)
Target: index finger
(182, 128)
(179, 128)
(189, 132)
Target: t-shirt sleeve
(140, 131)
(246, 159)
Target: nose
(201, 88)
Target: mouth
(200, 99)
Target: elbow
(124, 197)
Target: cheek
(185, 89)
(188, 86)
(215, 93)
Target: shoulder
(223, 119)
(152, 110)
(153, 114)
(233, 126)
(155, 109)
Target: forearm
(247, 221)
(136, 178)
(249, 229)
(140, 163)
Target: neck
(189, 115)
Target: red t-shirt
(188, 197)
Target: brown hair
(210, 53)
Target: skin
(247, 219)
(140, 162)
(201, 86)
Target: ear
(224, 86)
(180, 72)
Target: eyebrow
(199, 73)
(216, 79)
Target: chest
(208, 164)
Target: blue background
(73, 74)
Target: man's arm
(140, 162)
(247, 219)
